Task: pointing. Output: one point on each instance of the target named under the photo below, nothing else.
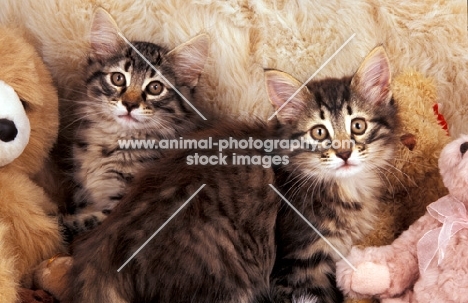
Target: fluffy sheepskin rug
(429, 36)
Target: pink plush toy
(429, 261)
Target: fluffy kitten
(219, 248)
(126, 100)
(336, 186)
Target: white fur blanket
(429, 36)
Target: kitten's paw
(73, 225)
(370, 279)
(305, 299)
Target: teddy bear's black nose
(8, 130)
(464, 148)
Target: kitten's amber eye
(155, 88)
(118, 79)
(358, 126)
(319, 133)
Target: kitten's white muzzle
(14, 125)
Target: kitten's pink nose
(130, 105)
(344, 155)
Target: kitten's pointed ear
(188, 60)
(280, 88)
(372, 80)
(104, 35)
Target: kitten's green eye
(118, 79)
(155, 88)
(319, 133)
(358, 126)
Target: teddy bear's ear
(188, 59)
(408, 140)
(286, 94)
(372, 79)
(104, 36)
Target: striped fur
(337, 189)
(219, 248)
(143, 105)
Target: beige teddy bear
(28, 129)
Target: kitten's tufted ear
(280, 88)
(104, 36)
(188, 60)
(372, 80)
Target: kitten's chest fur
(103, 167)
(347, 208)
(343, 211)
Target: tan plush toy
(28, 129)
(50, 275)
(415, 182)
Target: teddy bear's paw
(50, 275)
(370, 279)
(405, 298)
(34, 296)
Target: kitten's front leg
(305, 284)
(92, 206)
(305, 265)
(306, 299)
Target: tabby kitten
(335, 184)
(218, 248)
(126, 99)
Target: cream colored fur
(294, 36)
(8, 273)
